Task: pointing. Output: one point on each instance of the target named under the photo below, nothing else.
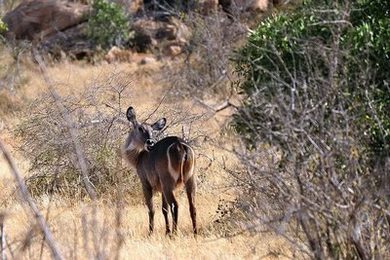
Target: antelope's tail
(187, 158)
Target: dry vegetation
(284, 169)
(114, 225)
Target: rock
(150, 34)
(72, 42)
(35, 20)
(244, 5)
(173, 50)
(257, 5)
(183, 32)
(206, 7)
(144, 34)
(117, 54)
(147, 60)
(167, 32)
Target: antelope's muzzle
(149, 144)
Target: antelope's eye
(140, 129)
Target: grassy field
(116, 226)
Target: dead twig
(2, 237)
(72, 131)
(55, 252)
(218, 108)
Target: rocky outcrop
(244, 5)
(57, 27)
(116, 54)
(151, 34)
(35, 20)
(206, 7)
(71, 43)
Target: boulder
(115, 54)
(72, 43)
(257, 5)
(151, 34)
(206, 7)
(178, 30)
(147, 60)
(35, 20)
(244, 5)
(144, 34)
(173, 50)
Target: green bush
(3, 29)
(108, 24)
(316, 94)
(280, 42)
(3, 26)
(369, 43)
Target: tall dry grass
(115, 226)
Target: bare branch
(73, 132)
(55, 252)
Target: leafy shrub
(3, 29)
(316, 91)
(108, 24)
(3, 26)
(369, 43)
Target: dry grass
(65, 221)
(72, 221)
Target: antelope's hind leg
(165, 210)
(190, 190)
(172, 202)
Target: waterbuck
(161, 166)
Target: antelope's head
(141, 136)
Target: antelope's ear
(160, 124)
(130, 114)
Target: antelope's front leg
(148, 193)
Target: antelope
(161, 166)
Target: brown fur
(161, 168)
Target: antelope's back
(173, 158)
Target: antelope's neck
(132, 153)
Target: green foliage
(282, 41)
(277, 49)
(3, 29)
(279, 39)
(369, 44)
(315, 83)
(108, 24)
(3, 26)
